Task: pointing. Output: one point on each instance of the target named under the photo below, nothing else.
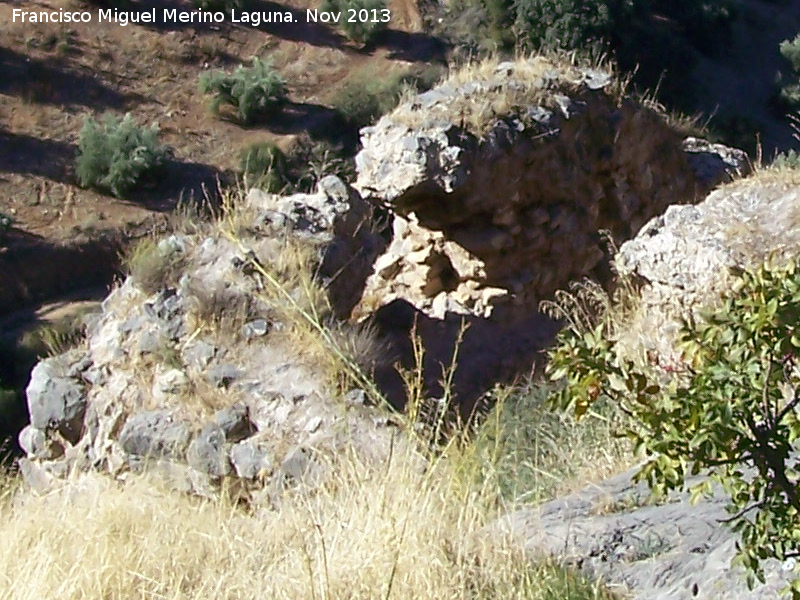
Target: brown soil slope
(51, 74)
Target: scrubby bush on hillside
(659, 40)
(361, 25)
(730, 403)
(117, 154)
(314, 160)
(266, 167)
(366, 94)
(561, 24)
(253, 91)
(786, 160)
(789, 94)
(361, 100)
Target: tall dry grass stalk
(289, 285)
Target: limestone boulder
(670, 550)
(56, 397)
(685, 260)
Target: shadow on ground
(55, 82)
(411, 47)
(490, 352)
(319, 122)
(28, 155)
(180, 181)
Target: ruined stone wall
(509, 217)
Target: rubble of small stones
(161, 384)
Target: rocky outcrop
(667, 551)
(201, 380)
(715, 163)
(685, 259)
(498, 182)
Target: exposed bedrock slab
(669, 551)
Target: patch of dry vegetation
(542, 453)
(501, 88)
(152, 265)
(389, 531)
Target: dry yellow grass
(529, 81)
(390, 531)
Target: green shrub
(657, 40)
(351, 24)
(362, 103)
(560, 24)
(786, 160)
(264, 166)
(117, 154)
(311, 161)
(789, 80)
(253, 91)
(731, 405)
(790, 50)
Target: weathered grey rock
(79, 363)
(56, 401)
(173, 244)
(154, 434)
(36, 444)
(669, 551)
(35, 476)
(167, 307)
(296, 463)
(356, 397)
(235, 422)
(307, 214)
(199, 353)
(135, 323)
(207, 452)
(150, 341)
(254, 329)
(169, 382)
(687, 258)
(713, 164)
(181, 477)
(335, 219)
(223, 375)
(251, 460)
